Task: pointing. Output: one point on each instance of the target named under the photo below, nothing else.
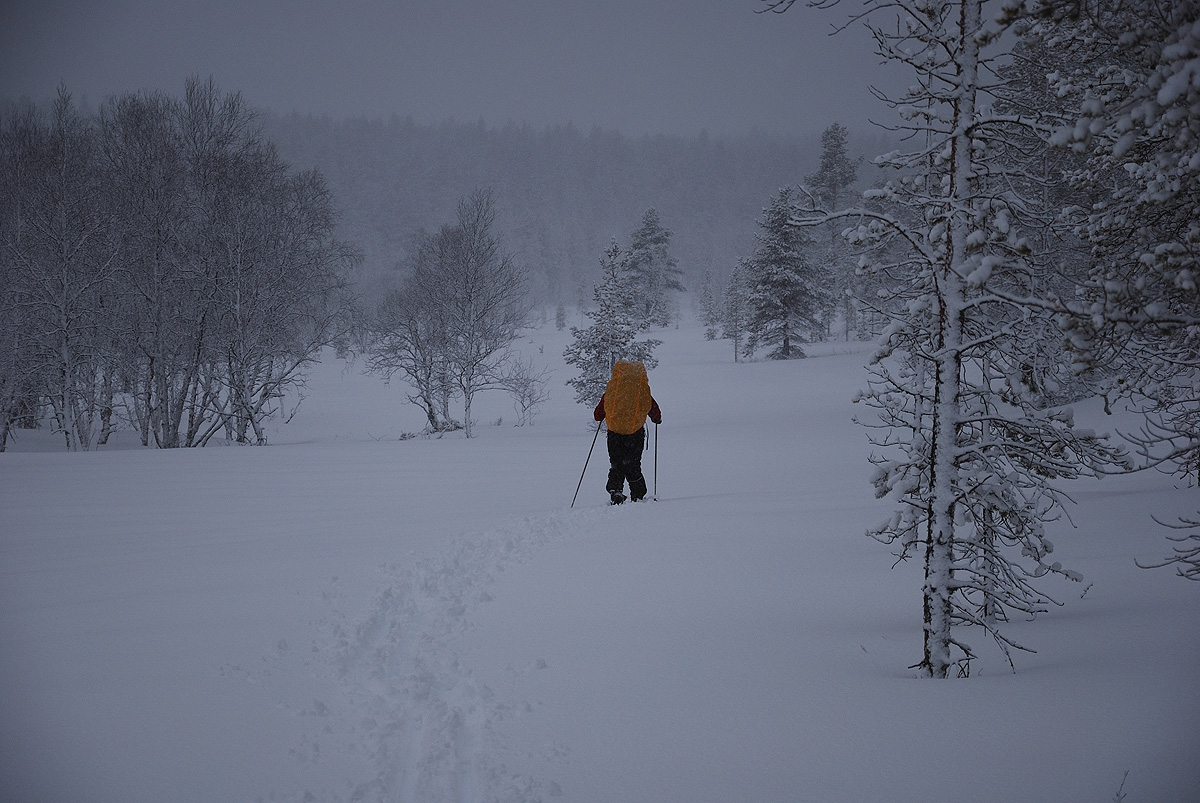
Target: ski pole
(585, 463)
(656, 462)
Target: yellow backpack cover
(627, 398)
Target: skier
(624, 407)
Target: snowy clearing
(344, 615)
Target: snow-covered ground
(345, 615)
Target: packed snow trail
(430, 729)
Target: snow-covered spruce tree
(710, 307)
(653, 273)
(612, 335)
(1128, 72)
(972, 462)
(1135, 116)
(831, 183)
(1057, 257)
(788, 297)
(735, 307)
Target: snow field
(337, 617)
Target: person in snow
(624, 407)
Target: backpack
(627, 398)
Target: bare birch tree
(162, 254)
(450, 326)
(405, 338)
(167, 313)
(60, 259)
(481, 298)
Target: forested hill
(562, 195)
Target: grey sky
(637, 66)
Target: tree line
(162, 266)
(562, 193)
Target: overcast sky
(636, 66)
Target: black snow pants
(625, 463)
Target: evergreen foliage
(787, 296)
(612, 335)
(652, 273)
(832, 180)
(837, 172)
(735, 307)
(1128, 108)
(710, 307)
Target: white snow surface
(348, 616)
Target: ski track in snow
(431, 731)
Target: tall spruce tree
(612, 335)
(787, 297)
(710, 307)
(653, 273)
(832, 182)
(735, 307)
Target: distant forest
(562, 195)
